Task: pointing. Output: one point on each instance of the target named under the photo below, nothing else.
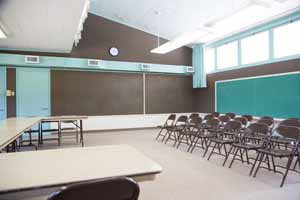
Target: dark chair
(289, 133)
(268, 122)
(243, 120)
(204, 134)
(193, 115)
(109, 189)
(173, 132)
(208, 117)
(290, 122)
(216, 114)
(267, 117)
(227, 136)
(168, 124)
(224, 119)
(248, 117)
(250, 140)
(193, 128)
(231, 115)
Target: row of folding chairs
(235, 137)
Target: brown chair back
(224, 119)
(215, 114)
(290, 122)
(109, 189)
(231, 115)
(248, 117)
(290, 132)
(233, 126)
(243, 120)
(267, 117)
(208, 117)
(269, 122)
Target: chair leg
(212, 151)
(179, 140)
(191, 144)
(227, 155)
(287, 170)
(273, 163)
(258, 166)
(234, 156)
(194, 145)
(253, 166)
(206, 150)
(159, 134)
(164, 137)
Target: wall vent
(190, 69)
(93, 63)
(145, 66)
(32, 59)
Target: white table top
(36, 169)
(12, 128)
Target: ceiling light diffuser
(180, 41)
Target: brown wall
(169, 93)
(99, 34)
(95, 93)
(205, 98)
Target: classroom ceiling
(171, 18)
(40, 25)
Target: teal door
(2, 93)
(33, 92)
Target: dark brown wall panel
(11, 85)
(206, 97)
(99, 34)
(95, 93)
(169, 93)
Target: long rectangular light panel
(180, 41)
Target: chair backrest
(290, 132)
(243, 120)
(193, 115)
(231, 115)
(258, 128)
(248, 117)
(233, 126)
(171, 119)
(195, 123)
(182, 120)
(109, 189)
(208, 117)
(290, 122)
(267, 117)
(213, 123)
(269, 122)
(224, 119)
(215, 114)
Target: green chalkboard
(277, 96)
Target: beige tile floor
(189, 176)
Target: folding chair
(173, 132)
(248, 117)
(167, 125)
(288, 133)
(216, 114)
(231, 115)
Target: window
(286, 40)
(209, 60)
(227, 55)
(255, 48)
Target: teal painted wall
(33, 92)
(2, 93)
(277, 96)
(82, 64)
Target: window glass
(255, 48)
(209, 60)
(227, 55)
(286, 40)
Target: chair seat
(281, 140)
(248, 146)
(223, 141)
(276, 152)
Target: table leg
(81, 133)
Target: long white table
(50, 168)
(12, 128)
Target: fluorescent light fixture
(180, 41)
(251, 11)
(2, 34)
